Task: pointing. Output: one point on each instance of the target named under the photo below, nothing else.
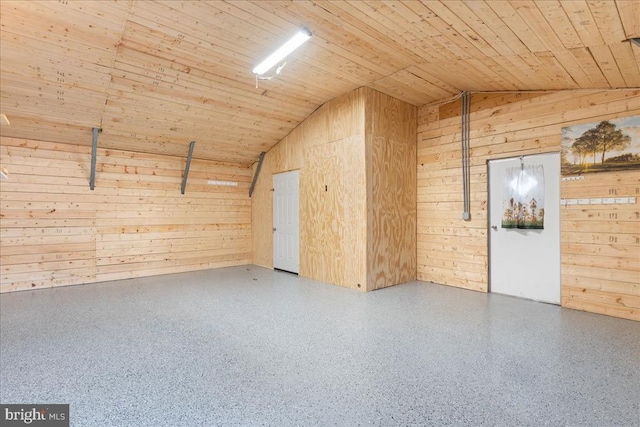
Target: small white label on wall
(573, 178)
(223, 183)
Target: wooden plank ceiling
(155, 75)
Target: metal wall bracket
(94, 149)
(186, 168)
(255, 177)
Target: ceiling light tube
(283, 51)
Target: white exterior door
(286, 221)
(525, 262)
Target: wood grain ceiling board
(56, 68)
(557, 18)
(627, 63)
(155, 75)
(629, 12)
(580, 16)
(606, 17)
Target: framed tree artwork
(609, 145)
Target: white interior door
(525, 262)
(286, 221)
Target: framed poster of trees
(609, 145)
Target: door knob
(495, 227)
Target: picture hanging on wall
(609, 145)
(523, 198)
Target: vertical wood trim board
(55, 231)
(600, 244)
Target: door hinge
(273, 229)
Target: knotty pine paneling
(147, 227)
(600, 245)
(55, 231)
(150, 71)
(47, 216)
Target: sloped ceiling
(154, 75)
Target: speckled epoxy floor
(247, 346)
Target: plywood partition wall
(391, 190)
(328, 149)
(56, 231)
(349, 236)
(333, 220)
(600, 245)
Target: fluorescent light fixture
(283, 51)
(4, 120)
(635, 40)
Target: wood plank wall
(47, 216)
(357, 192)
(600, 244)
(391, 190)
(55, 231)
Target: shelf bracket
(186, 168)
(94, 149)
(255, 177)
